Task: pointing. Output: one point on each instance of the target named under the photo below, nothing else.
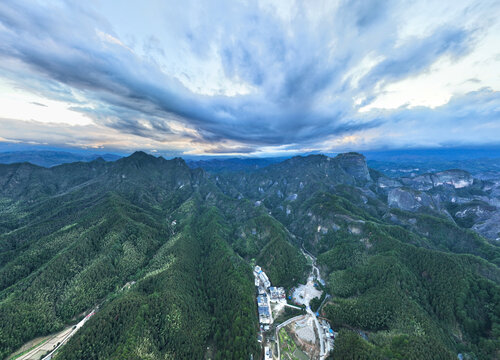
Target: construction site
(304, 336)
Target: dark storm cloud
(419, 54)
(299, 92)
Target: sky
(251, 78)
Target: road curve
(283, 324)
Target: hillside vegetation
(164, 252)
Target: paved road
(67, 337)
(324, 301)
(293, 306)
(314, 272)
(322, 352)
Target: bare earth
(38, 352)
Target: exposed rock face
(452, 194)
(490, 227)
(355, 165)
(408, 199)
(471, 203)
(457, 178)
(384, 183)
(481, 216)
(422, 182)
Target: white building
(262, 276)
(265, 280)
(268, 354)
(277, 294)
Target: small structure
(264, 315)
(262, 276)
(328, 333)
(268, 354)
(264, 311)
(265, 280)
(262, 300)
(277, 294)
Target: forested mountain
(165, 251)
(232, 164)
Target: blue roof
(263, 310)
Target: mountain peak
(355, 165)
(140, 155)
(351, 155)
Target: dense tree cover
(446, 236)
(414, 301)
(163, 315)
(75, 242)
(189, 279)
(387, 279)
(67, 272)
(197, 293)
(350, 346)
(230, 292)
(71, 237)
(256, 235)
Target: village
(303, 336)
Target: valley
(249, 180)
(388, 268)
(317, 339)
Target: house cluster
(277, 294)
(263, 298)
(262, 277)
(329, 334)
(264, 310)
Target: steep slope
(416, 288)
(174, 309)
(164, 250)
(74, 235)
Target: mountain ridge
(81, 231)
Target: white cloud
(242, 75)
(23, 105)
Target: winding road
(314, 272)
(322, 353)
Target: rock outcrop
(409, 199)
(355, 165)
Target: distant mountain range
(483, 168)
(481, 162)
(164, 251)
(48, 158)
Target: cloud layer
(250, 77)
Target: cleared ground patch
(292, 348)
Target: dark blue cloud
(418, 54)
(297, 74)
